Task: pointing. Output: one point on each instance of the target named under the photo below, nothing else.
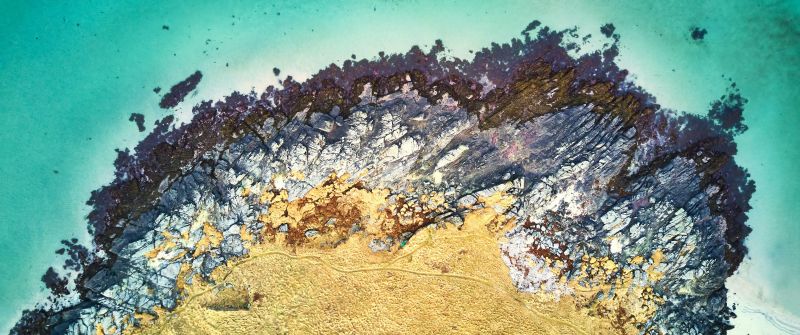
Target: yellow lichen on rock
(616, 293)
(211, 238)
(449, 277)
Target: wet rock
(139, 120)
(180, 90)
(607, 29)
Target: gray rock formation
(591, 177)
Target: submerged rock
(180, 90)
(139, 120)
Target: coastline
(756, 313)
(121, 209)
(266, 69)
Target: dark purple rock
(180, 90)
(139, 119)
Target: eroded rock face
(609, 191)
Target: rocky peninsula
(527, 190)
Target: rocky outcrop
(608, 187)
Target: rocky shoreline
(598, 169)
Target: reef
(180, 90)
(525, 190)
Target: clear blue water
(70, 75)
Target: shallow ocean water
(70, 76)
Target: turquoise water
(71, 75)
